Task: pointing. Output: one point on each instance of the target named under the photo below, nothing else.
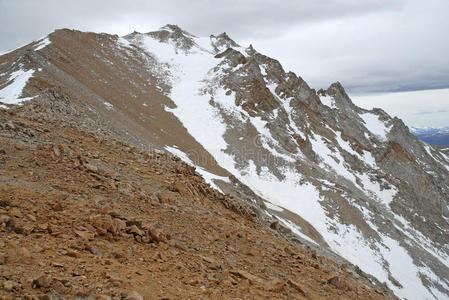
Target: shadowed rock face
(344, 179)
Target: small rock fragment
(275, 225)
(251, 278)
(4, 219)
(334, 280)
(313, 253)
(135, 231)
(42, 281)
(132, 296)
(155, 235)
(275, 285)
(297, 286)
(84, 234)
(9, 285)
(163, 198)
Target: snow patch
(42, 44)
(329, 101)
(294, 228)
(11, 94)
(208, 177)
(108, 105)
(331, 159)
(374, 190)
(375, 125)
(273, 207)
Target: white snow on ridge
(124, 42)
(42, 44)
(375, 125)
(374, 190)
(296, 230)
(11, 94)
(266, 138)
(273, 207)
(328, 101)
(288, 110)
(444, 162)
(208, 177)
(331, 159)
(204, 43)
(428, 150)
(108, 105)
(366, 157)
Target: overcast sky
(369, 46)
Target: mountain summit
(352, 183)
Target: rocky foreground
(84, 215)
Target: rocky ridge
(365, 183)
(84, 215)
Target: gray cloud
(371, 45)
(431, 112)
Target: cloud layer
(370, 46)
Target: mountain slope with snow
(349, 180)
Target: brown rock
(31, 217)
(102, 223)
(9, 285)
(275, 285)
(118, 225)
(56, 151)
(58, 206)
(163, 198)
(114, 213)
(335, 281)
(24, 255)
(155, 235)
(132, 296)
(42, 281)
(42, 226)
(3, 259)
(91, 168)
(135, 231)
(297, 286)
(177, 244)
(130, 223)
(15, 212)
(4, 219)
(73, 253)
(57, 265)
(251, 278)
(275, 225)
(85, 235)
(212, 263)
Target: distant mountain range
(435, 136)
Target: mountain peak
(176, 30)
(346, 180)
(222, 42)
(181, 39)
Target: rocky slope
(83, 215)
(347, 181)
